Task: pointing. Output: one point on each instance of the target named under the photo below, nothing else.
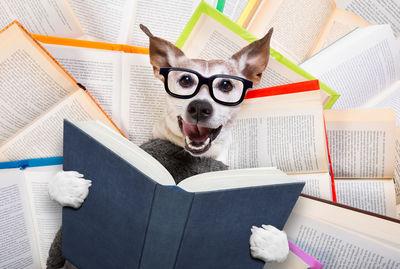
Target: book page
(375, 12)
(337, 247)
(292, 261)
(234, 8)
(165, 19)
(341, 23)
(127, 150)
(361, 65)
(361, 142)
(26, 71)
(105, 20)
(18, 247)
(98, 70)
(348, 219)
(43, 17)
(317, 184)
(396, 178)
(47, 214)
(297, 25)
(211, 40)
(44, 137)
(390, 98)
(376, 196)
(274, 131)
(143, 98)
(238, 178)
(214, 3)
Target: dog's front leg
(269, 244)
(69, 188)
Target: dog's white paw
(269, 244)
(69, 188)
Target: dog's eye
(225, 86)
(186, 81)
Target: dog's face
(200, 124)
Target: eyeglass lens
(227, 89)
(184, 83)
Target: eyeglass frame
(247, 84)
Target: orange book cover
(304, 86)
(90, 44)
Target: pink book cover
(310, 260)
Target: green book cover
(221, 5)
(205, 8)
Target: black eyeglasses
(224, 89)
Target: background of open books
(37, 19)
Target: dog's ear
(162, 52)
(253, 59)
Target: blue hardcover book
(136, 217)
(28, 218)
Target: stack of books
(101, 47)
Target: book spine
(248, 13)
(333, 187)
(170, 210)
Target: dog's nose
(199, 110)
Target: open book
(363, 67)
(118, 21)
(120, 78)
(29, 219)
(302, 27)
(375, 12)
(362, 148)
(343, 237)
(283, 126)
(156, 223)
(36, 95)
(211, 35)
(108, 21)
(43, 17)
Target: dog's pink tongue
(195, 132)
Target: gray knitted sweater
(177, 161)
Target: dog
(199, 122)
(203, 100)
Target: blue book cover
(130, 221)
(22, 164)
